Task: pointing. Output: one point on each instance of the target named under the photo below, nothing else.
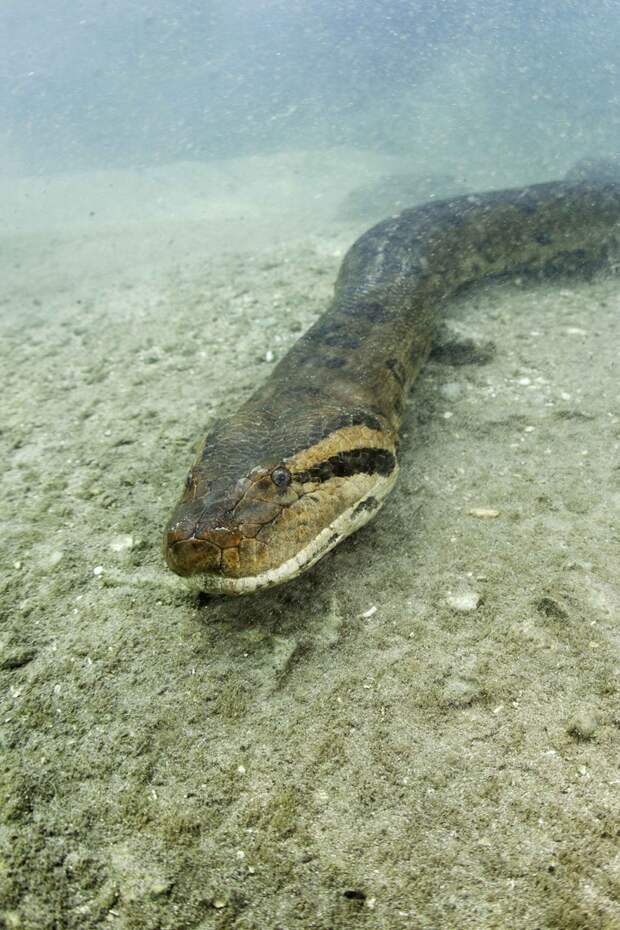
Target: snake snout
(202, 544)
(187, 554)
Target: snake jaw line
(344, 525)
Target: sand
(422, 732)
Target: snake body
(312, 454)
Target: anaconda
(312, 454)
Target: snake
(311, 455)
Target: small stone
(464, 602)
(121, 543)
(451, 391)
(219, 903)
(98, 570)
(160, 887)
(460, 692)
(53, 559)
(368, 613)
(583, 724)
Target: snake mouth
(210, 567)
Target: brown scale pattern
(341, 386)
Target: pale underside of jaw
(348, 522)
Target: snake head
(239, 534)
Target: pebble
(160, 887)
(121, 543)
(464, 602)
(52, 559)
(452, 390)
(583, 724)
(368, 613)
(461, 692)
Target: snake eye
(281, 477)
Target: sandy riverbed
(354, 749)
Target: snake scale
(312, 454)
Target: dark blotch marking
(335, 334)
(305, 390)
(544, 238)
(354, 418)
(355, 462)
(377, 313)
(371, 503)
(336, 362)
(324, 428)
(571, 261)
(490, 250)
(398, 370)
(528, 204)
(342, 341)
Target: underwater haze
(109, 84)
(420, 732)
